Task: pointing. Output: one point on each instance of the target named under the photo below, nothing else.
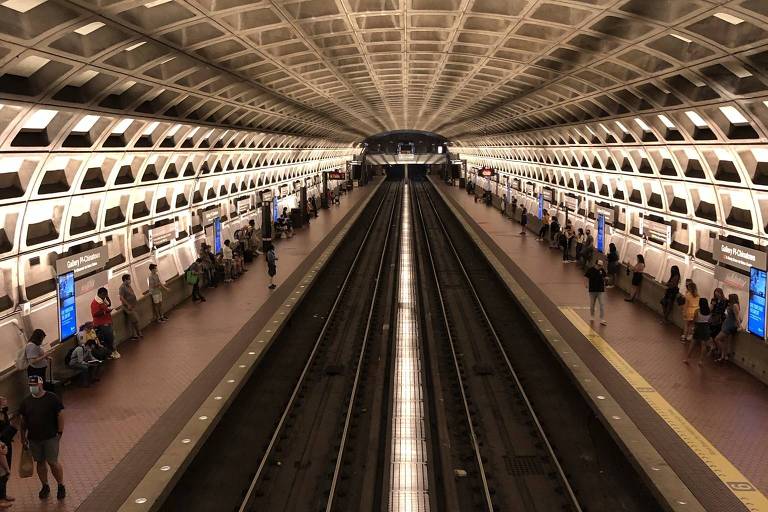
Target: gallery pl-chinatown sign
(739, 256)
(84, 262)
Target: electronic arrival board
(67, 307)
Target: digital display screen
(756, 321)
(541, 205)
(600, 232)
(275, 213)
(67, 306)
(217, 235)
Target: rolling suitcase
(54, 386)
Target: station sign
(607, 213)
(516, 184)
(244, 204)
(208, 216)
(337, 175)
(266, 196)
(161, 235)
(656, 231)
(308, 182)
(83, 263)
(529, 188)
(486, 172)
(571, 203)
(283, 190)
(743, 258)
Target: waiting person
(544, 230)
(670, 293)
(580, 238)
(130, 305)
(701, 332)
(596, 284)
(587, 250)
(271, 266)
(613, 264)
(209, 265)
(196, 275)
(7, 433)
(82, 360)
(5, 474)
(513, 205)
(255, 237)
(37, 358)
(228, 260)
(88, 334)
(565, 242)
(637, 277)
(101, 311)
(731, 325)
(523, 219)
(689, 309)
(554, 233)
(156, 288)
(717, 307)
(42, 425)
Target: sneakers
(61, 492)
(272, 286)
(115, 355)
(45, 491)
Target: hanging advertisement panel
(65, 284)
(541, 205)
(600, 232)
(217, 235)
(756, 315)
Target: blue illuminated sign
(600, 232)
(275, 213)
(217, 235)
(541, 205)
(67, 307)
(756, 320)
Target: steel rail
(353, 394)
(249, 495)
(561, 473)
(473, 436)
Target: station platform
(116, 429)
(708, 423)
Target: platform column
(324, 192)
(266, 220)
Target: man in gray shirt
(130, 305)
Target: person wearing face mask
(42, 425)
(130, 305)
(101, 311)
(596, 285)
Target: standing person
(717, 306)
(596, 284)
(229, 260)
(731, 325)
(101, 311)
(565, 242)
(587, 250)
(544, 230)
(637, 278)
(670, 294)
(513, 204)
(554, 233)
(523, 219)
(580, 238)
(613, 264)
(156, 288)
(701, 332)
(7, 433)
(37, 358)
(42, 425)
(130, 304)
(271, 266)
(254, 234)
(689, 309)
(5, 474)
(195, 274)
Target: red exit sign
(486, 172)
(335, 175)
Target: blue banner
(275, 212)
(217, 235)
(600, 232)
(67, 306)
(541, 205)
(756, 321)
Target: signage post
(266, 218)
(600, 232)
(65, 298)
(541, 205)
(756, 315)
(324, 192)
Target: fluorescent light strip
(87, 29)
(733, 115)
(409, 489)
(40, 119)
(729, 18)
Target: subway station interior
(385, 255)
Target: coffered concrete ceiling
(345, 69)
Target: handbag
(680, 300)
(26, 466)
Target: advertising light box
(217, 235)
(756, 315)
(600, 232)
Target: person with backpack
(35, 359)
(271, 266)
(545, 221)
(701, 332)
(101, 311)
(596, 285)
(193, 276)
(81, 359)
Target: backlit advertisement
(67, 307)
(217, 235)
(756, 316)
(541, 205)
(600, 232)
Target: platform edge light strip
(723, 468)
(409, 483)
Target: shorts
(701, 331)
(45, 451)
(157, 298)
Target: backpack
(190, 277)
(68, 357)
(22, 363)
